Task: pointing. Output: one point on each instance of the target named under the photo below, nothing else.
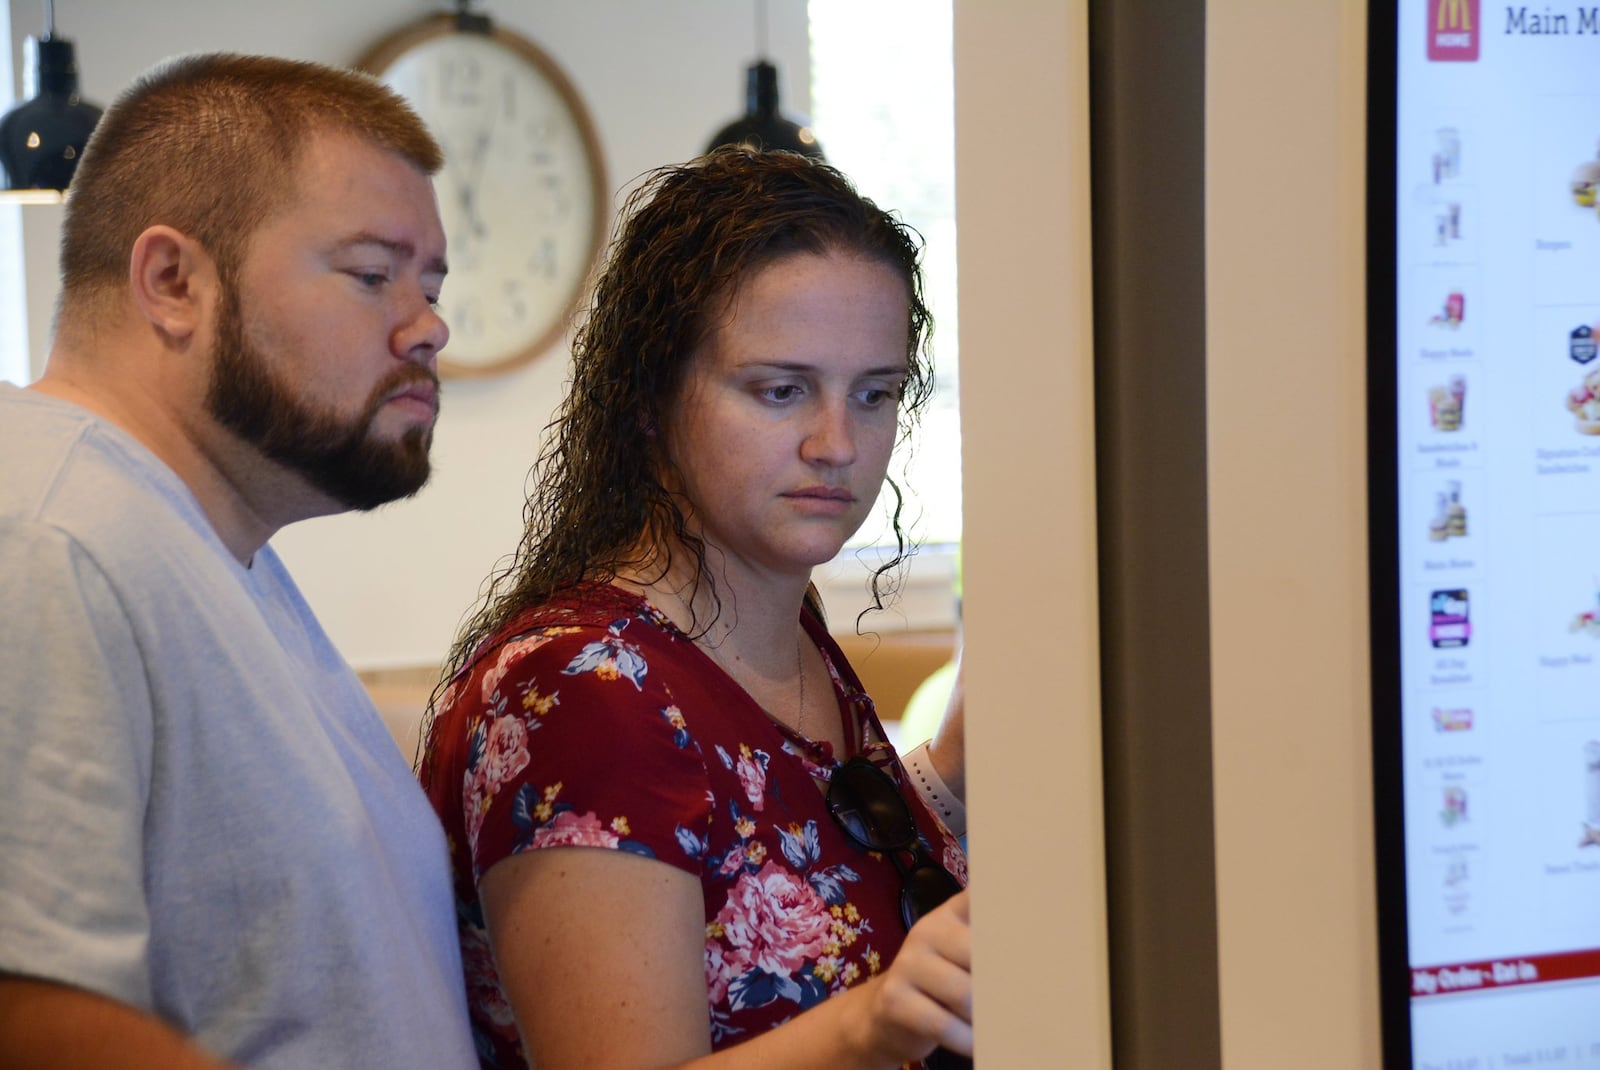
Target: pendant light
(42, 138)
(763, 126)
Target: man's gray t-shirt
(201, 813)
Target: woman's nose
(830, 439)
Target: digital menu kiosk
(1484, 301)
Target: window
(13, 291)
(882, 103)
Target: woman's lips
(838, 494)
(825, 499)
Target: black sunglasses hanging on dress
(867, 805)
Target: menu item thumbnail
(1588, 621)
(1453, 312)
(1583, 401)
(1446, 154)
(1586, 184)
(1449, 624)
(1454, 810)
(1447, 404)
(1449, 519)
(1458, 719)
(1591, 819)
(1447, 223)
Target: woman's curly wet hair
(690, 235)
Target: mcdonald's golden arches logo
(1454, 28)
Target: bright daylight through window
(13, 302)
(885, 116)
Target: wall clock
(523, 189)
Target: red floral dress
(594, 721)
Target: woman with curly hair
(650, 677)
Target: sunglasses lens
(869, 806)
(926, 887)
(947, 1060)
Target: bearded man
(210, 848)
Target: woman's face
(783, 426)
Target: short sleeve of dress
(574, 740)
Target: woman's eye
(876, 397)
(782, 392)
(372, 280)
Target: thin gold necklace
(800, 667)
(799, 727)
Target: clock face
(520, 192)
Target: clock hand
(468, 198)
(469, 188)
(464, 182)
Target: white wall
(1286, 350)
(659, 79)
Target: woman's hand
(924, 999)
(602, 958)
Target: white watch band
(931, 786)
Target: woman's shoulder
(573, 618)
(581, 606)
(591, 630)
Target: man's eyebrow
(404, 250)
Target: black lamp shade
(42, 138)
(762, 127)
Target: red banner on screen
(1503, 973)
(1454, 28)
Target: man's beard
(338, 456)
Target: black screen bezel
(1383, 513)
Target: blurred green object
(926, 708)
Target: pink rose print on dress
(732, 862)
(955, 860)
(502, 664)
(752, 770)
(483, 984)
(774, 922)
(568, 829)
(721, 970)
(505, 754)
(448, 699)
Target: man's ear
(173, 281)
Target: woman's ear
(173, 281)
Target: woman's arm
(49, 1025)
(602, 955)
(948, 748)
